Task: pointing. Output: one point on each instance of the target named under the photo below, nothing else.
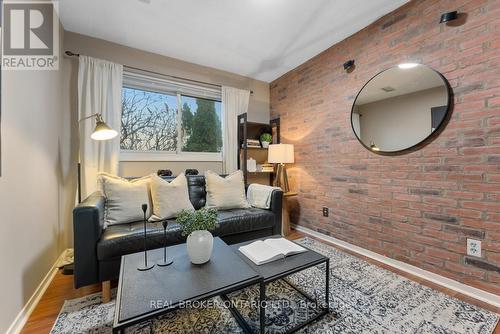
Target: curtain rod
(72, 54)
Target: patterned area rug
(364, 299)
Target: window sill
(170, 156)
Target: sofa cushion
(169, 198)
(124, 198)
(243, 220)
(118, 240)
(196, 188)
(226, 192)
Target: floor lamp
(101, 132)
(281, 154)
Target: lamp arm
(93, 115)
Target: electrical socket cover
(325, 211)
(474, 247)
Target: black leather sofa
(98, 251)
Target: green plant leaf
(203, 219)
(266, 137)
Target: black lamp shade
(450, 16)
(348, 64)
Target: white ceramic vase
(265, 144)
(199, 246)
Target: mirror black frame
(427, 140)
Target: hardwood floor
(47, 310)
(61, 289)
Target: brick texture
(419, 207)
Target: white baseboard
(22, 317)
(476, 293)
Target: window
(169, 120)
(201, 125)
(149, 121)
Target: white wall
(400, 122)
(31, 229)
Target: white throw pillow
(226, 192)
(124, 198)
(169, 198)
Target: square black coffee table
(281, 268)
(143, 295)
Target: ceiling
(261, 39)
(402, 81)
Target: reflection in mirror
(400, 107)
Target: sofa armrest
(277, 208)
(88, 224)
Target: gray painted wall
(33, 170)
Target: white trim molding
(23, 315)
(169, 156)
(470, 291)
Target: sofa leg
(106, 291)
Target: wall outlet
(325, 211)
(474, 247)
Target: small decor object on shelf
(145, 266)
(253, 143)
(266, 139)
(251, 165)
(196, 225)
(166, 261)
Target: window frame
(179, 89)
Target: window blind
(159, 83)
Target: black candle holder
(145, 266)
(165, 261)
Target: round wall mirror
(400, 108)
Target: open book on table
(265, 251)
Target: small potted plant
(196, 225)
(266, 139)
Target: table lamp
(281, 154)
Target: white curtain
(234, 103)
(99, 91)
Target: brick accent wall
(419, 207)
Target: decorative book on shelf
(269, 250)
(265, 168)
(251, 143)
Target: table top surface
(144, 293)
(282, 267)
